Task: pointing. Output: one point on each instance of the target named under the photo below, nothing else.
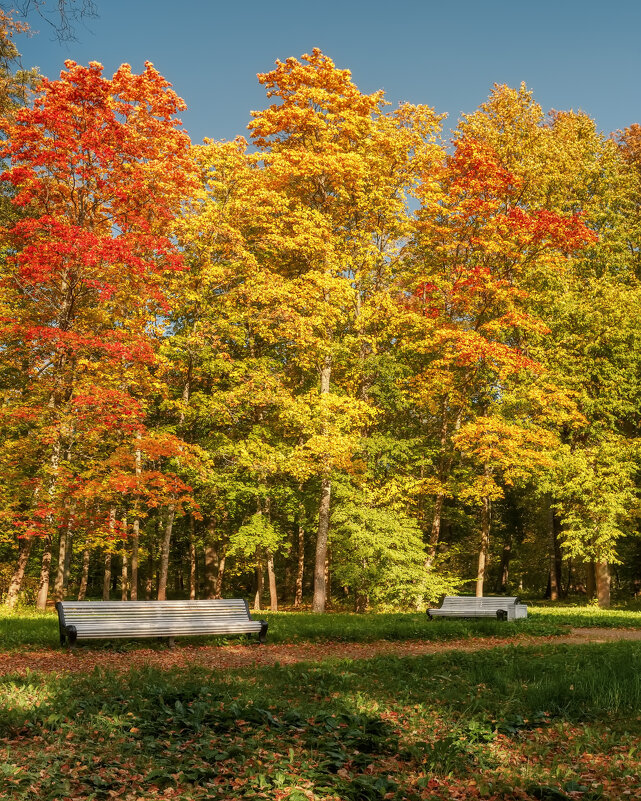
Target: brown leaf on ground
(226, 657)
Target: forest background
(348, 361)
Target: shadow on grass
(385, 728)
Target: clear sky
(574, 54)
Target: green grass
(30, 629)
(588, 615)
(548, 722)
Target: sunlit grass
(26, 628)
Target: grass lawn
(549, 721)
(30, 629)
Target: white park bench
(80, 620)
(502, 608)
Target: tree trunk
(273, 598)
(445, 466)
(45, 569)
(590, 579)
(485, 547)
(298, 597)
(260, 582)
(219, 576)
(435, 530)
(67, 564)
(556, 559)
(602, 571)
(13, 593)
(192, 558)
(84, 579)
(164, 555)
(320, 587)
(149, 580)
(124, 576)
(63, 546)
(106, 582)
(211, 561)
(506, 556)
(135, 540)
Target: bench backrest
(95, 611)
(471, 602)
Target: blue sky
(579, 55)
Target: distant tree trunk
(298, 596)
(485, 543)
(556, 559)
(45, 569)
(84, 579)
(210, 571)
(361, 601)
(260, 582)
(135, 539)
(192, 558)
(149, 579)
(213, 562)
(219, 576)
(320, 588)
(590, 579)
(63, 546)
(106, 584)
(435, 530)
(444, 469)
(164, 554)
(24, 549)
(569, 582)
(67, 565)
(602, 571)
(506, 556)
(273, 598)
(124, 575)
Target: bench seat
(133, 619)
(499, 607)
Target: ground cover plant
(542, 722)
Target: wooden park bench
(502, 608)
(80, 620)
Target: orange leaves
(316, 99)
(100, 169)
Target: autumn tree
(99, 167)
(477, 246)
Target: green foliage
(258, 533)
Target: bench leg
(263, 631)
(72, 636)
(171, 642)
(429, 614)
(501, 614)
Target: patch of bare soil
(226, 657)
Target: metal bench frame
(79, 620)
(500, 607)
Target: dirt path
(235, 656)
